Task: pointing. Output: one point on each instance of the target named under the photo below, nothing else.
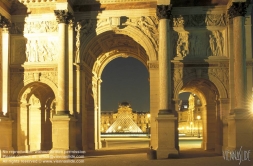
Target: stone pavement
(128, 157)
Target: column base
(63, 135)
(167, 137)
(6, 136)
(240, 129)
(167, 153)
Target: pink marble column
(63, 18)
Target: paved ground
(190, 155)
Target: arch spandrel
(214, 83)
(132, 29)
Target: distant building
(188, 114)
(124, 120)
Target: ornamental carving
(182, 47)
(83, 28)
(198, 44)
(199, 20)
(216, 44)
(37, 76)
(221, 73)
(163, 11)
(63, 16)
(52, 76)
(237, 9)
(153, 65)
(148, 26)
(41, 50)
(40, 26)
(4, 22)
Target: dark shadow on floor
(115, 152)
(197, 153)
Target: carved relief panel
(200, 44)
(41, 50)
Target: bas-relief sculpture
(40, 26)
(194, 36)
(200, 44)
(39, 50)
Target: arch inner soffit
(203, 88)
(108, 44)
(40, 90)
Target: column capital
(4, 22)
(63, 16)
(163, 11)
(237, 9)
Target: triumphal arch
(54, 51)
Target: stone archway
(37, 105)
(106, 43)
(213, 109)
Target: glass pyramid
(124, 124)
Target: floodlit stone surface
(53, 54)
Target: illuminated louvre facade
(134, 122)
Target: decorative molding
(153, 65)
(63, 16)
(148, 25)
(37, 1)
(198, 44)
(163, 11)
(40, 26)
(237, 9)
(199, 20)
(108, 1)
(4, 22)
(41, 50)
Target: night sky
(126, 79)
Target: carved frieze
(221, 73)
(199, 20)
(52, 76)
(38, 76)
(163, 11)
(41, 50)
(237, 9)
(198, 44)
(40, 26)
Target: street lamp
(198, 117)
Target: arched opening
(37, 105)
(125, 104)
(203, 114)
(190, 126)
(95, 55)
